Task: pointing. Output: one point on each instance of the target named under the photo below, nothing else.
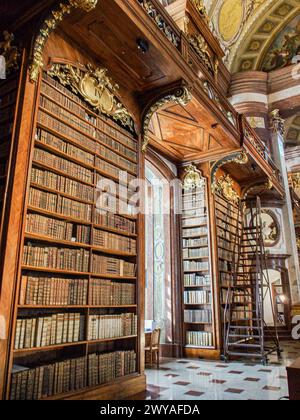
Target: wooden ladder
(244, 325)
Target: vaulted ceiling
(256, 34)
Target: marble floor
(211, 380)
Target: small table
(294, 380)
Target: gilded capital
(277, 123)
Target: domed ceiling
(256, 34)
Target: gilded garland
(181, 96)
(96, 88)
(49, 26)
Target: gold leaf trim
(56, 16)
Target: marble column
(277, 132)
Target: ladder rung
(244, 336)
(256, 355)
(252, 346)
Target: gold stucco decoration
(96, 88)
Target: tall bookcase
(76, 325)
(228, 223)
(198, 313)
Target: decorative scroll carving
(181, 96)
(50, 24)
(10, 52)
(199, 4)
(201, 47)
(224, 186)
(96, 88)
(193, 178)
(160, 22)
(277, 123)
(240, 158)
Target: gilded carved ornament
(50, 24)
(225, 187)
(241, 158)
(96, 88)
(199, 4)
(180, 96)
(193, 179)
(277, 123)
(10, 52)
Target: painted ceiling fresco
(286, 47)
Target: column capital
(277, 122)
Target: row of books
(114, 221)
(91, 131)
(194, 279)
(225, 255)
(195, 266)
(195, 253)
(45, 290)
(194, 212)
(57, 204)
(74, 107)
(44, 331)
(105, 368)
(199, 339)
(108, 203)
(197, 297)
(60, 183)
(106, 293)
(102, 122)
(56, 258)
(204, 316)
(191, 243)
(65, 101)
(112, 266)
(113, 241)
(64, 114)
(225, 265)
(102, 327)
(70, 375)
(57, 229)
(69, 149)
(63, 165)
(194, 221)
(198, 231)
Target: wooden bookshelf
(227, 224)
(77, 306)
(198, 313)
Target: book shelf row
(65, 328)
(47, 290)
(71, 375)
(196, 271)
